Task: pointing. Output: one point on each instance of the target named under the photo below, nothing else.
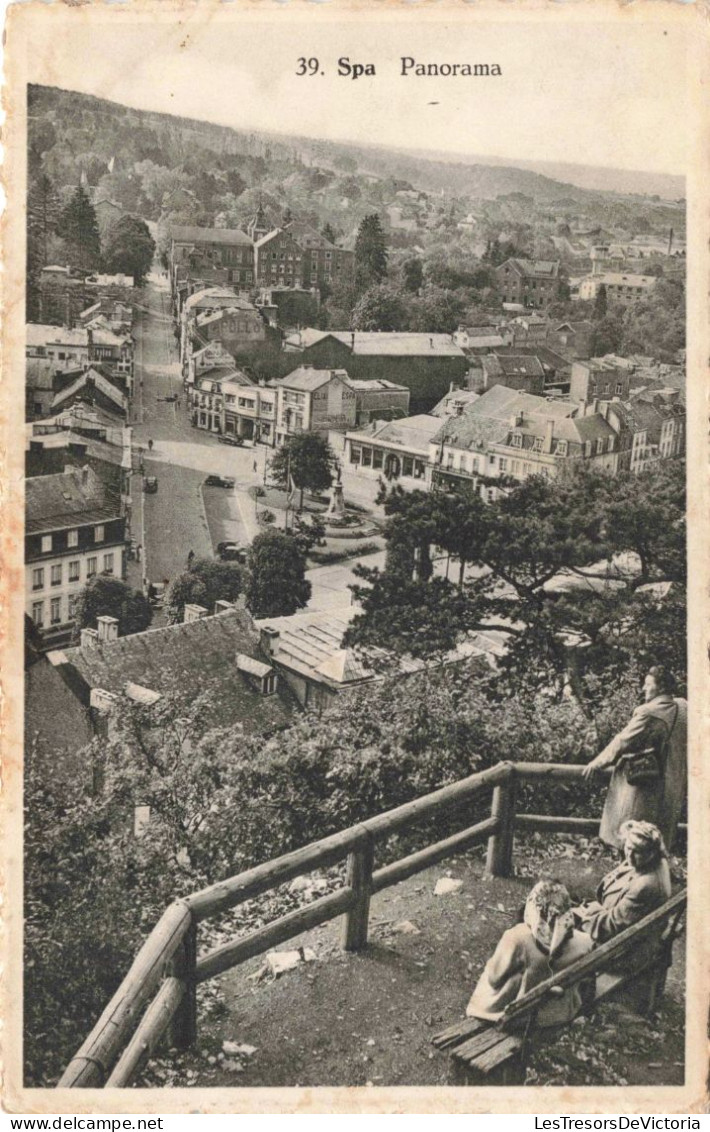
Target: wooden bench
(496, 1052)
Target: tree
(607, 335)
(437, 310)
(277, 584)
(129, 248)
(42, 216)
(328, 233)
(103, 596)
(413, 275)
(203, 583)
(536, 532)
(370, 251)
(307, 459)
(655, 325)
(78, 227)
(380, 308)
(601, 304)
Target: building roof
(41, 334)
(533, 268)
(90, 377)
(237, 307)
(455, 397)
(67, 499)
(381, 342)
(307, 378)
(371, 385)
(617, 279)
(200, 656)
(412, 434)
(186, 234)
(311, 644)
(512, 365)
(208, 295)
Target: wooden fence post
(183, 1029)
(359, 878)
(499, 858)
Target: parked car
(231, 552)
(150, 484)
(235, 441)
(220, 481)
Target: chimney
(269, 640)
(194, 613)
(352, 339)
(107, 628)
(431, 343)
(223, 606)
(89, 639)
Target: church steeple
(258, 225)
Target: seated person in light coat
(530, 953)
(637, 886)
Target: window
(46, 543)
(407, 466)
(38, 579)
(355, 454)
(619, 388)
(72, 538)
(91, 566)
(108, 563)
(600, 445)
(537, 444)
(418, 470)
(98, 534)
(377, 458)
(561, 447)
(610, 447)
(503, 464)
(516, 440)
(367, 457)
(55, 610)
(56, 578)
(74, 568)
(38, 613)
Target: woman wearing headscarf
(641, 883)
(531, 952)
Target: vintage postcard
(355, 558)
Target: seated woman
(531, 952)
(634, 888)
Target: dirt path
(362, 1019)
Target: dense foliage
(204, 582)
(305, 458)
(103, 596)
(277, 584)
(129, 248)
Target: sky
(607, 93)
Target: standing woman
(650, 763)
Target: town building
(314, 400)
(528, 283)
(516, 371)
(573, 339)
(214, 256)
(621, 290)
(599, 378)
(74, 530)
(379, 400)
(236, 328)
(425, 364)
(92, 385)
(298, 256)
(397, 450)
(511, 435)
(249, 410)
(477, 340)
(206, 301)
(207, 397)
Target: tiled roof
(371, 385)
(312, 645)
(41, 334)
(512, 365)
(189, 235)
(413, 434)
(382, 343)
(90, 377)
(459, 396)
(617, 279)
(67, 499)
(534, 269)
(222, 295)
(192, 658)
(307, 378)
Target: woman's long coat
(659, 802)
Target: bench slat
(478, 1044)
(457, 1033)
(507, 1049)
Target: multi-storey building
(621, 290)
(300, 257)
(249, 412)
(213, 255)
(314, 400)
(527, 282)
(74, 530)
(599, 378)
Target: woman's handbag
(646, 767)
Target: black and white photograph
(356, 437)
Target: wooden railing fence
(167, 969)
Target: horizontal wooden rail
(92, 1063)
(150, 1030)
(400, 870)
(557, 772)
(438, 802)
(556, 825)
(594, 960)
(228, 893)
(302, 920)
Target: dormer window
(261, 676)
(516, 439)
(561, 447)
(537, 444)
